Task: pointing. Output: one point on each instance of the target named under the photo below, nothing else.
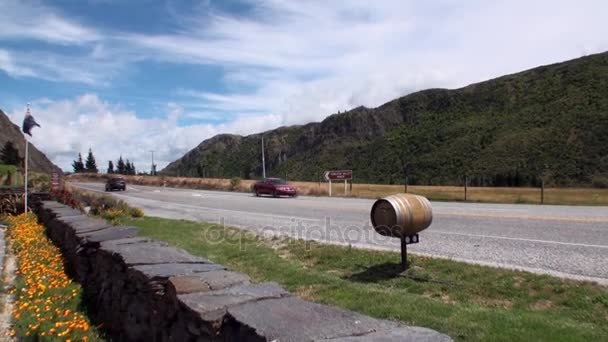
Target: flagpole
(27, 155)
(27, 143)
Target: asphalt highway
(565, 241)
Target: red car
(275, 187)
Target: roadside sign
(55, 181)
(341, 175)
(338, 175)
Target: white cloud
(53, 67)
(285, 62)
(322, 56)
(73, 126)
(32, 20)
(7, 64)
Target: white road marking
(197, 195)
(516, 239)
(526, 217)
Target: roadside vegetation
(104, 206)
(562, 196)
(47, 303)
(467, 302)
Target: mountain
(37, 160)
(550, 121)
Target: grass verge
(467, 302)
(47, 303)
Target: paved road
(565, 241)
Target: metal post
(466, 180)
(542, 191)
(345, 187)
(403, 255)
(263, 160)
(330, 188)
(27, 143)
(406, 181)
(152, 167)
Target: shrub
(115, 216)
(65, 196)
(600, 181)
(235, 182)
(107, 207)
(137, 212)
(39, 181)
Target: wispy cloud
(32, 20)
(328, 56)
(7, 63)
(283, 62)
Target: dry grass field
(568, 196)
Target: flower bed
(47, 303)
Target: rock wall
(140, 289)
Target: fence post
(542, 191)
(466, 181)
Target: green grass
(467, 302)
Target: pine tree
(110, 167)
(78, 165)
(120, 165)
(133, 171)
(128, 168)
(91, 164)
(10, 155)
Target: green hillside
(550, 121)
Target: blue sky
(127, 77)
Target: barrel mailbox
(401, 215)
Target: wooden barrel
(401, 215)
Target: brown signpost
(55, 181)
(339, 175)
(344, 175)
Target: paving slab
(65, 212)
(91, 225)
(150, 253)
(136, 240)
(293, 319)
(73, 219)
(403, 334)
(173, 270)
(112, 233)
(212, 305)
(207, 281)
(53, 204)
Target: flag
(29, 122)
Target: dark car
(275, 187)
(116, 183)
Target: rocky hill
(37, 160)
(550, 121)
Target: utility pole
(263, 160)
(153, 167)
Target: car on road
(275, 187)
(116, 183)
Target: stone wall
(144, 290)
